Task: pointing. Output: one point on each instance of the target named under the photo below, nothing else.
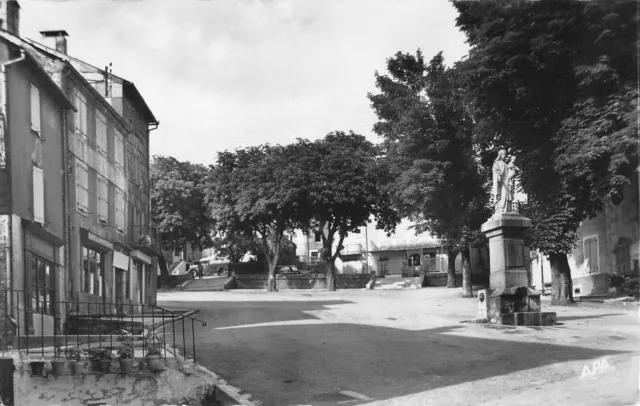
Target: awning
(94, 241)
(120, 261)
(141, 256)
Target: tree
(556, 83)
(254, 192)
(428, 140)
(233, 246)
(341, 175)
(177, 205)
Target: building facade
(74, 186)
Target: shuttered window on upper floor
(82, 187)
(120, 210)
(103, 200)
(118, 142)
(101, 133)
(590, 247)
(35, 110)
(38, 195)
(81, 114)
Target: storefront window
(42, 285)
(93, 271)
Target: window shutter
(35, 109)
(38, 195)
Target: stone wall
(302, 281)
(440, 279)
(597, 284)
(138, 388)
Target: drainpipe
(68, 281)
(7, 160)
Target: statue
(500, 189)
(512, 174)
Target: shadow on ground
(305, 364)
(594, 316)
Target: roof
(128, 86)
(404, 245)
(47, 80)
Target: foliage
(555, 82)
(428, 145)
(178, 202)
(254, 192)
(342, 190)
(126, 349)
(75, 352)
(233, 246)
(153, 344)
(100, 353)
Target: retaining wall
(302, 281)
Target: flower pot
(126, 365)
(78, 367)
(37, 367)
(154, 362)
(104, 365)
(59, 367)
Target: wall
(306, 281)
(138, 388)
(597, 284)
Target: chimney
(10, 16)
(56, 40)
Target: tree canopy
(555, 82)
(428, 144)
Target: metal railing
(34, 324)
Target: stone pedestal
(506, 250)
(510, 299)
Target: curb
(185, 284)
(229, 392)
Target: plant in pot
(58, 364)
(37, 368)
(74, 355)
(125, 355)
(154, 354)
(101, 358)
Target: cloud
(228, 73)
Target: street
(408, 347)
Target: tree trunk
(451, 268)
(271, 282)
(467, 291)
(331, 276)
(164, 271)
(561, 284)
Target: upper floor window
(590, 248)
(118, 141)
(101, 133)
(38, 195)
(82, 187)
(103, 200)
(120, 210)
(35, 110)
(81, 114)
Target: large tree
(254, 192)
(428, 138)
(555, 82)
(177, 205)
(342, 182)
(233, 246)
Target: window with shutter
(35, 109)
(101, 141)
(82, 187)
(590, 248)
(119, 150)
(120, 210)
(103, 200)
(38, 195)
(81, 127)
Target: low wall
(174, 281)
(593, 285)
(302, 281)
(440, 279)
(138, 388)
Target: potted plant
(125, 355)
(74, 355)
(58, 364)
(154, 354)
(102, 358)
(37, 368)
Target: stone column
(506, 250)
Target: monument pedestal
(509, 299)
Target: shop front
(95, 273)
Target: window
(138, 268)
(38, 195)
(101, 133)
(314, 256)
(590, 247)
(103, 200)
(82, 187)
(120, 210)
(92, 272)
(35, 110)
(318, 236)
(81, 127)
(119, 150)
(42, 279)
(414, 260)
(623, 258)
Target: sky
(226, 74)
